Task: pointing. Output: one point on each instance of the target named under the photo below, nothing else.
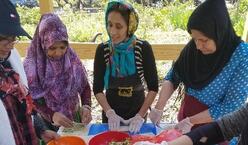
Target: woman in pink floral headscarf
(56, 76)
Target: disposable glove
(113, 120)
(86, 114)
(184, 126)
(135, 123)
(155, 115)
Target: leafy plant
(29, 15)
(238, 15)
(155, 22)
(179, 14)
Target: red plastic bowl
(67, 140)
(106, 137)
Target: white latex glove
(149, 143)
(135, 123)
(86, 114)
(113, 120)
(184, 126)
(155, 115)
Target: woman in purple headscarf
(56, 76)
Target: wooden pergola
(87, 50)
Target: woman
(56, 76)
(213, 68)
(122, 66)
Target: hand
(61, 120)
(86, 115)
(149, 143)
(113, 120)
(184, 126)
(155, 115)
(48, 135)
(135, 123)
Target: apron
(191, 106)
(125, 95)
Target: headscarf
(195, 69)
(57, 80)
(122, 59)
(133, 20)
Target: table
(147, 128)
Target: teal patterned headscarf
(122, 59)
(133, 20)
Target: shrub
(238, 15)
(154, 21)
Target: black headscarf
(195, 69)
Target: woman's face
(6, 44)
(116, 27)
(204, 44)
(57, 50)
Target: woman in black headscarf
(213, 67)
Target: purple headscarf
(59, 81)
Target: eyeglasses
(7, 41)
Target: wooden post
(46, 6)
(245, 33)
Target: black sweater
(145, 65)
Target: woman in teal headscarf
(124, 66)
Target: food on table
(76, 127)
(167, 135)
(108, 137)
(125, 142)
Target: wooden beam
(46, 6)
(87, 50)
(245, 33)
(167, 51)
